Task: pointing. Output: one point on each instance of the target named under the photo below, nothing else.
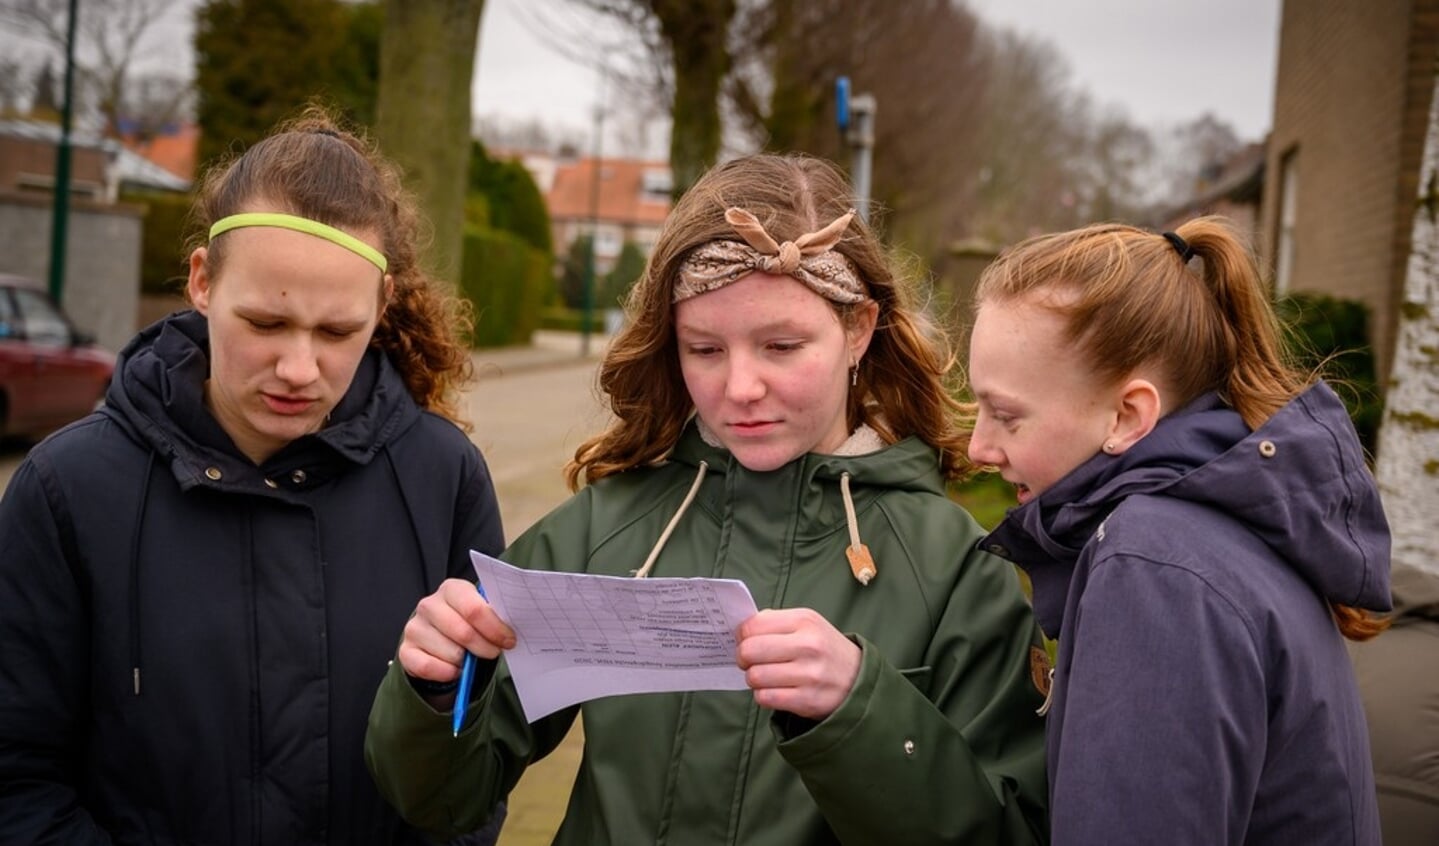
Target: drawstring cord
(1048, 696)
(860, 562)
(649, 564)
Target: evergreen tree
(575, 272)
(46, 104)
(258, 61)
(511, 199)
(628, 268)
(357, 69)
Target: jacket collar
(158, 395)
(1299, 482)
(907, 464)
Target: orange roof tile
(175, 151)
(622, 195)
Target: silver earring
(1109, 446)
(854, 376)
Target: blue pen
(467, 679)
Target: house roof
(1242, 178)
(1240, 181)
(39, 130)
(176, 149)
(631, 191)
(127, 167)
(133, 169)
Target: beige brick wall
(1347, 104)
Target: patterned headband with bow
(810, 258)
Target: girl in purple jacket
(1201, 532)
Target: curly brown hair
(907, 384)
(315, 167)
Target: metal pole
(587, 314)
(61, 209)
(860, 135)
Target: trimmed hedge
(1331, 335)
(571, 319)
(163, 265)
(508, 281)
(503, 195)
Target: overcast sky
(1163, 62)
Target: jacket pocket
(919, 677)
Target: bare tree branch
(110, 36)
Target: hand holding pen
(467, 678)
(452, 626)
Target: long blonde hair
(1129, 299)
(904, 381)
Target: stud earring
(1109, 446)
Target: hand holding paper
(797, 661)
(581, 636)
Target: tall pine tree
(258, 61)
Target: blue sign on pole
(841, 102)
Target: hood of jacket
(1299, 482)
(909, 464)
(867, 464)
(157, 394)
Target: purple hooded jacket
(1202, 693)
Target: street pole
(587, 314)
(861, 141)
(61, 209)
(855, 117)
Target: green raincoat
(938, 741)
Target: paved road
(527, 425)
(531, 408)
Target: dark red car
(50, 374)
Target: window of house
(1288, 208)
(609, 240)
(657, 183)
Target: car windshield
(40, 322)
(9, 320)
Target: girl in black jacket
(202, 582)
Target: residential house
(101, 282)
(99, 167)
(1351, 104)
(174, 148)
(617, 199)
(1233, 188)
(27, 161)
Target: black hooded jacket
(190, 643)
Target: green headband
(301, 224)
